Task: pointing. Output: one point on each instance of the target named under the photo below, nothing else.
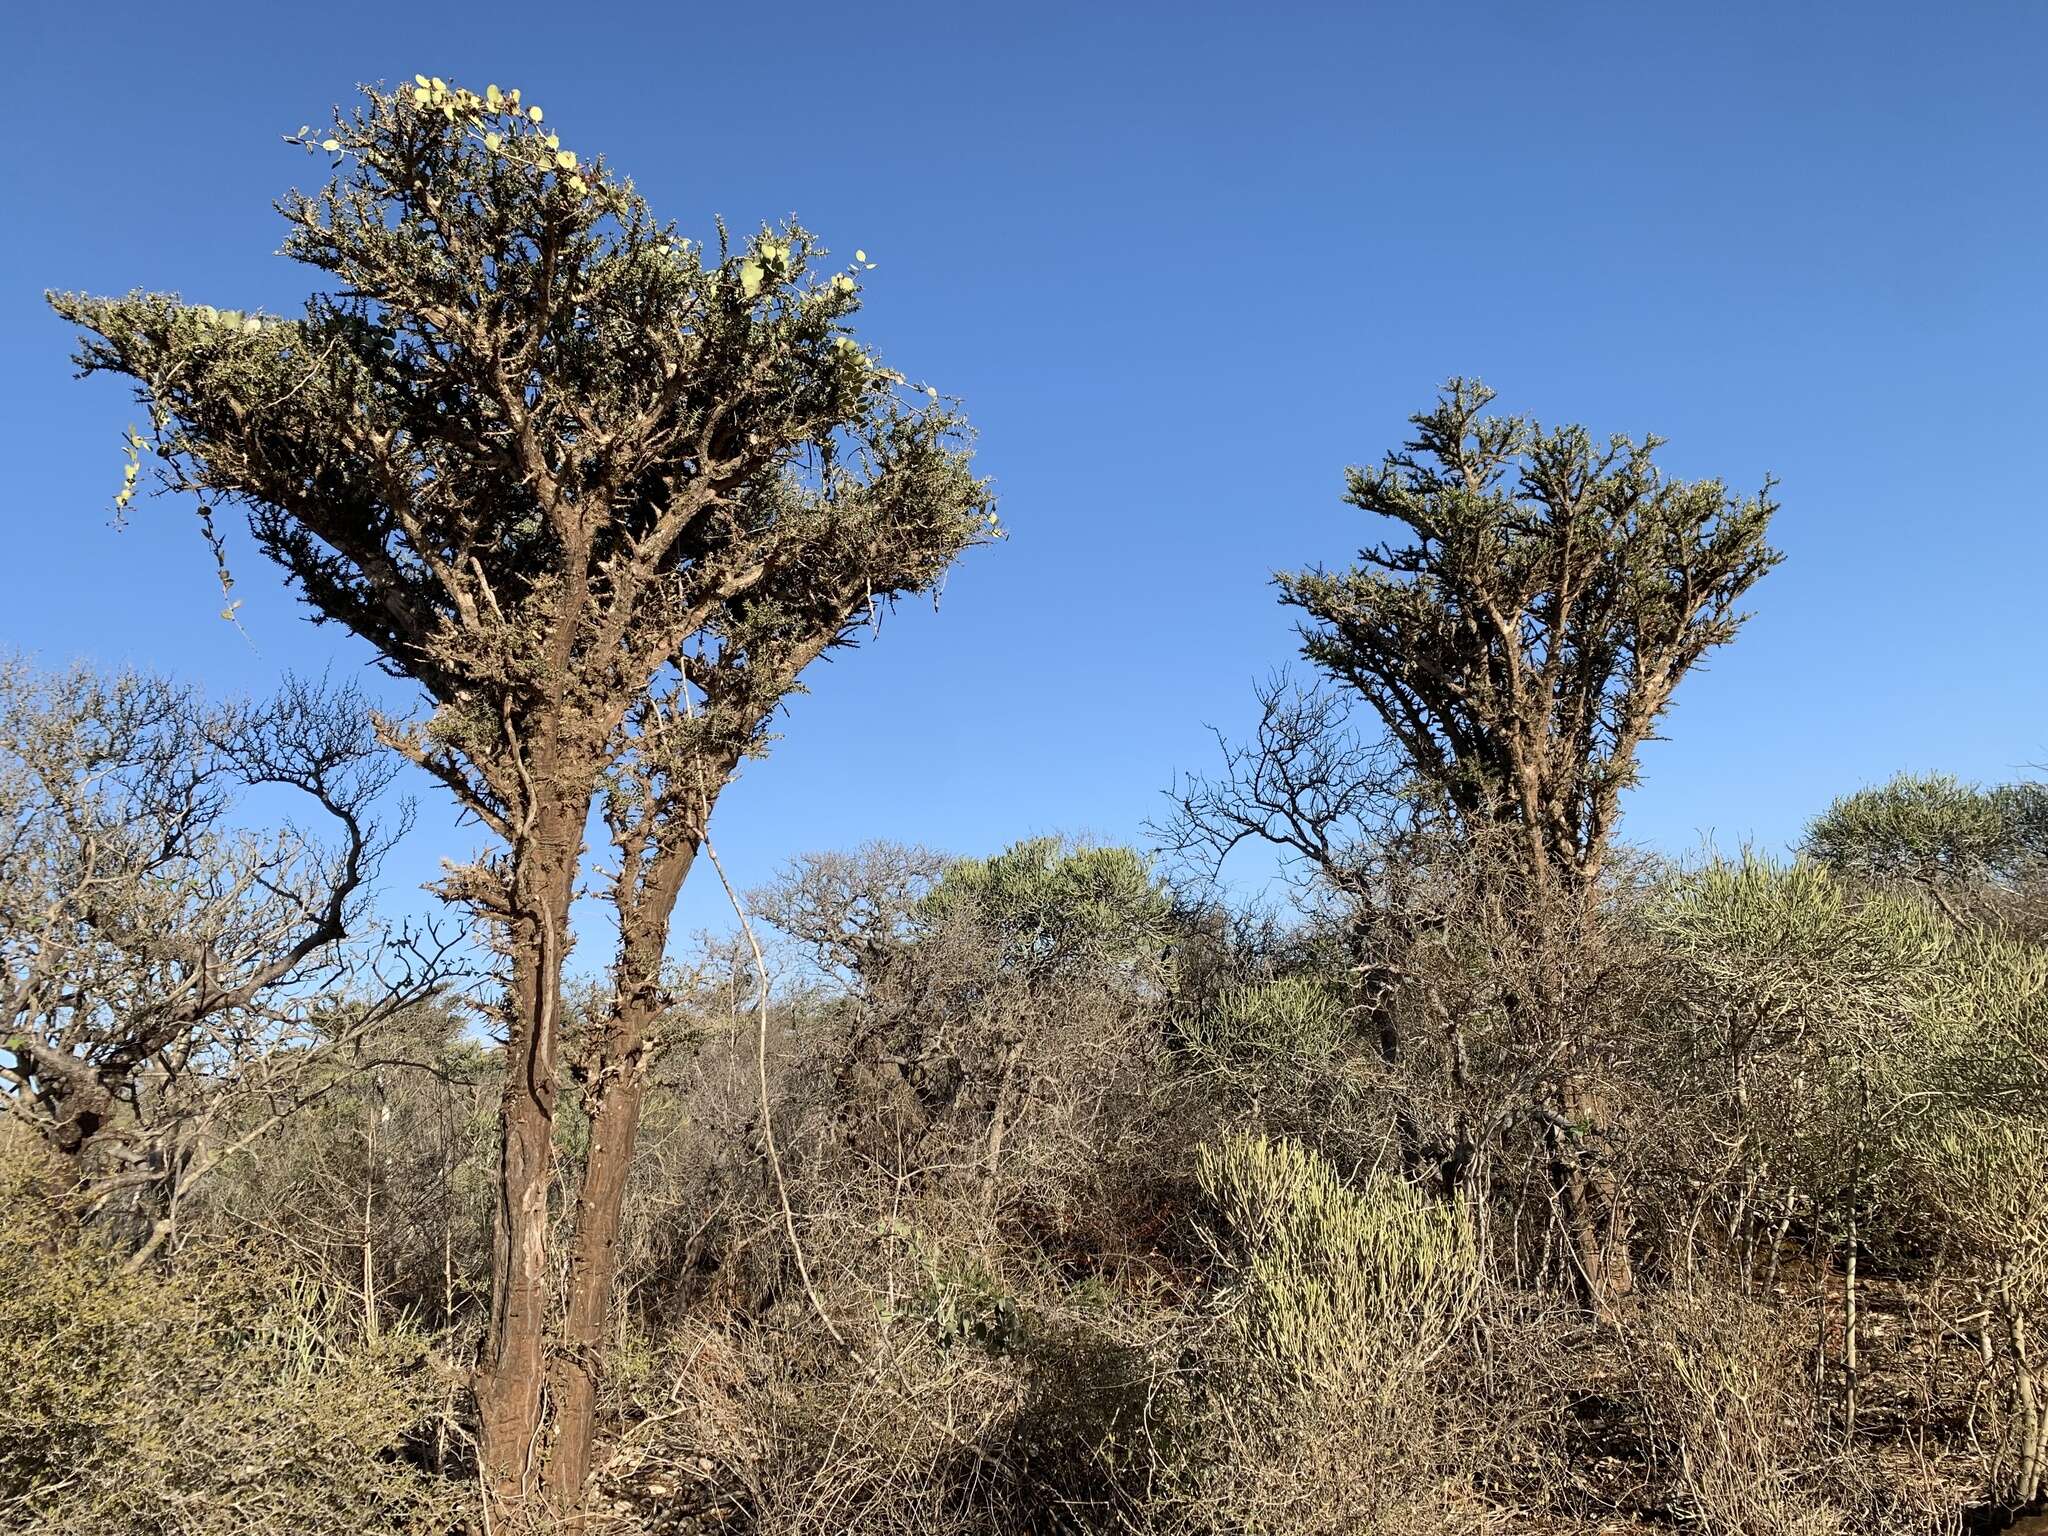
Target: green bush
(1933, 830)
(1334, 1281)
(1293, 1018)
(1873, 1028)
(1044, 907)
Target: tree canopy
(1546, 595)
(535, 445)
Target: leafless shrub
(171, 971)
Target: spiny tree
(602, 493)
(1519, 639)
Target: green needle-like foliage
(1049, 909)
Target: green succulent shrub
(1333, 1281)
(1290, 1018)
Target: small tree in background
(1520, 645)
(990, 991)
(602, 493)
(1978, 854)
(1523, 643)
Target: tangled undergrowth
(1116, 1217)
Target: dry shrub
(211, 1399)
(1693, 1407)
(1988, 1174)
(1724, 1402)
(983, 1332)
(974, 1389)
(1329, 1463)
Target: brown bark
(1593, 1203)
(512, 1374)
(1590, 1198)
(593, 1266)
(2032, 1477)
(613, 1096)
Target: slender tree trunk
(369, 1215)
(615, 1092)
(2033, 1422)
(1852, 1365)
(512, 1375)
(1595, 1206)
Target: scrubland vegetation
(1507, 1177)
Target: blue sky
(1184, 263)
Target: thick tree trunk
(1594, 1205)
(593, 1266)
(594, 1256)
(512, 1374)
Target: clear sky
(1184, 263)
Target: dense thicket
(1087, 1209)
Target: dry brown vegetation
(1100, 1210)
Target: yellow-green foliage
(1932, 830)
(1898, 1051)
(1044, 906)
(211, 1400)
(1988, 1174)
(1291, 1018)
(1334, 1280)
(1795, 942)
(1798, 945)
